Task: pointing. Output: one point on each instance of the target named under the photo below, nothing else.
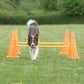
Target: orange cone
(15, 48)
(66, 43)
(12, 52)
(73, 49)
(16, 34)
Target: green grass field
(50, 67)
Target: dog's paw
(34, 59)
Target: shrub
(14, 17)
(21, 18)
(73, 7)
(49, 4)
(17, 2)
(11, 3)
(28, 6)
(6, 6)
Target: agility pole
(47, 43)
(45, 46)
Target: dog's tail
(33, 22)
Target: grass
(50, 67)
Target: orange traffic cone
(16, 35)
(73, 49)
(10, 51)
(66, 43)
(15, 48)
(12, 48)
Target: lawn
(50, 67)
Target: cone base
(63, 53)
(19, 52)
(74, 57)
(12, 57)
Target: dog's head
(33, 40)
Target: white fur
(30, 22)
(34, 52)
(32, 42)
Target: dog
(33, 39)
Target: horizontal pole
(43, 42)
(45, 46)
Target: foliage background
(44, 11)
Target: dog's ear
(29, 35)
(29, 39)
(36, 35)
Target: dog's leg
(31, 52)
(36, 53)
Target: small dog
(33, 39)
